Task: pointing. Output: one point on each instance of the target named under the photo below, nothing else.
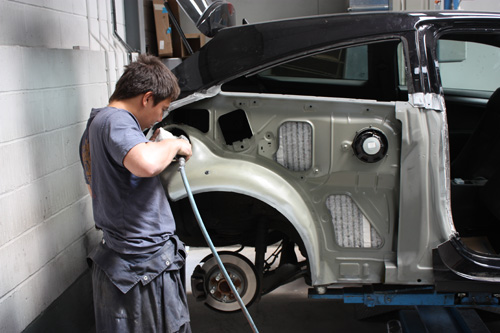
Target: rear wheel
(217, 293)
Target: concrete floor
(287, 309)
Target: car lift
(428, 310)
(464, 280)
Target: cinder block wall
(58, 59)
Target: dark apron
(157, 304)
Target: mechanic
(136, 279)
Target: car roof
(244, 49)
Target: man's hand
(185, 148)
(161, 134)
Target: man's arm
(150, 158)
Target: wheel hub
(219, 287)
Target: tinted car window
(344, 64)
(362, 71)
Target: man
(135, 269)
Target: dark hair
(145, 74)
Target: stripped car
(347, 149)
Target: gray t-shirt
(133, 212)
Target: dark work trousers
(160, 306)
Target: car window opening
(470, 74)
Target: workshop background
(60, 58)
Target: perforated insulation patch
(352, 228)
(295, 146)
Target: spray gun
(182, 163)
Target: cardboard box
(163, 29)
(196, 41)
(176, 37)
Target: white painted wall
(409, 5)
(58, 58)
(267, 10)
(480, 5)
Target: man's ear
(146, 97)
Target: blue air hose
(182, 163)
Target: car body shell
(404, 197)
